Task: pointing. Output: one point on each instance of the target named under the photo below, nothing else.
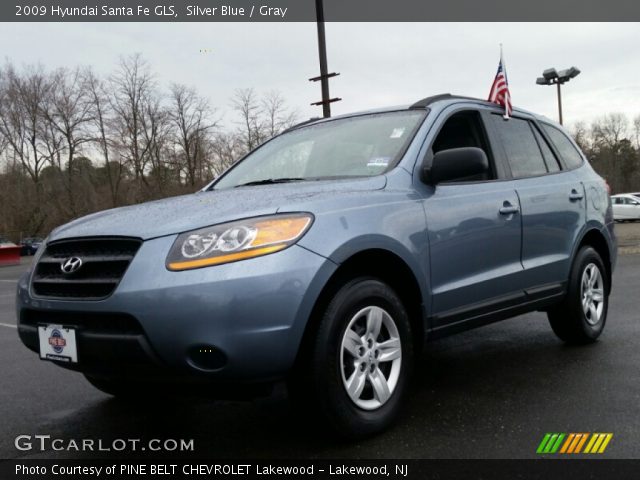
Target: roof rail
(425, 102)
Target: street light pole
(559, 103)
(552, 77)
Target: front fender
(396, 227)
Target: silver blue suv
(328, 256)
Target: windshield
(358, 146)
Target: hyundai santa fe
(328, 256)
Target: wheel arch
(594, 238)
(384, 265)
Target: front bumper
(251, 313)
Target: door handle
(508, 208)
(575, 195)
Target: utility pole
(322, 54)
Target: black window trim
(551, 144)
(536, 128)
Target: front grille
(104, 261)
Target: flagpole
(499, 93)
(506, 79)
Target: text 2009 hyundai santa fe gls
(328, 255)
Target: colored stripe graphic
(555, 447)
(581, 442)
(550, 443)
(598, 442)
(573, 443)
(543, 443)
(594, 437)
(567, 443)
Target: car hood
(188, 212)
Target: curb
(629, 250)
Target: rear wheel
(356, 374)
(581, 317)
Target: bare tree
(72, 142)
(261, 119)
(224, 149)
(156, 133)
(21, 119)
(277, 116)
(132, 88)
(68, 111)
(636, 131)
(246, 104)
(581, 135)
(612, 152)
(4, 142)
(190, 116)
(609, 130)
(102, 119)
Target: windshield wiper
(271, 181)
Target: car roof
(440, 101)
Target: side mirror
(453, 164)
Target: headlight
(230, 242)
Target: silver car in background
(626, 207)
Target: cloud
(380, 63)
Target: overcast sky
(381, 64)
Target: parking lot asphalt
(8, 280)
(628, 234)
(488, 393)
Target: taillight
(606, 185)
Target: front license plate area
(58, 343)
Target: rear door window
(520, 146)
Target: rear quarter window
(565, 148)
(549, 158)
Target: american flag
(500, 89)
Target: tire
(570, 321)
(345, 351)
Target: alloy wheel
(592, 294)
(370, 358)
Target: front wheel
(357, 371)
(581, 317)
